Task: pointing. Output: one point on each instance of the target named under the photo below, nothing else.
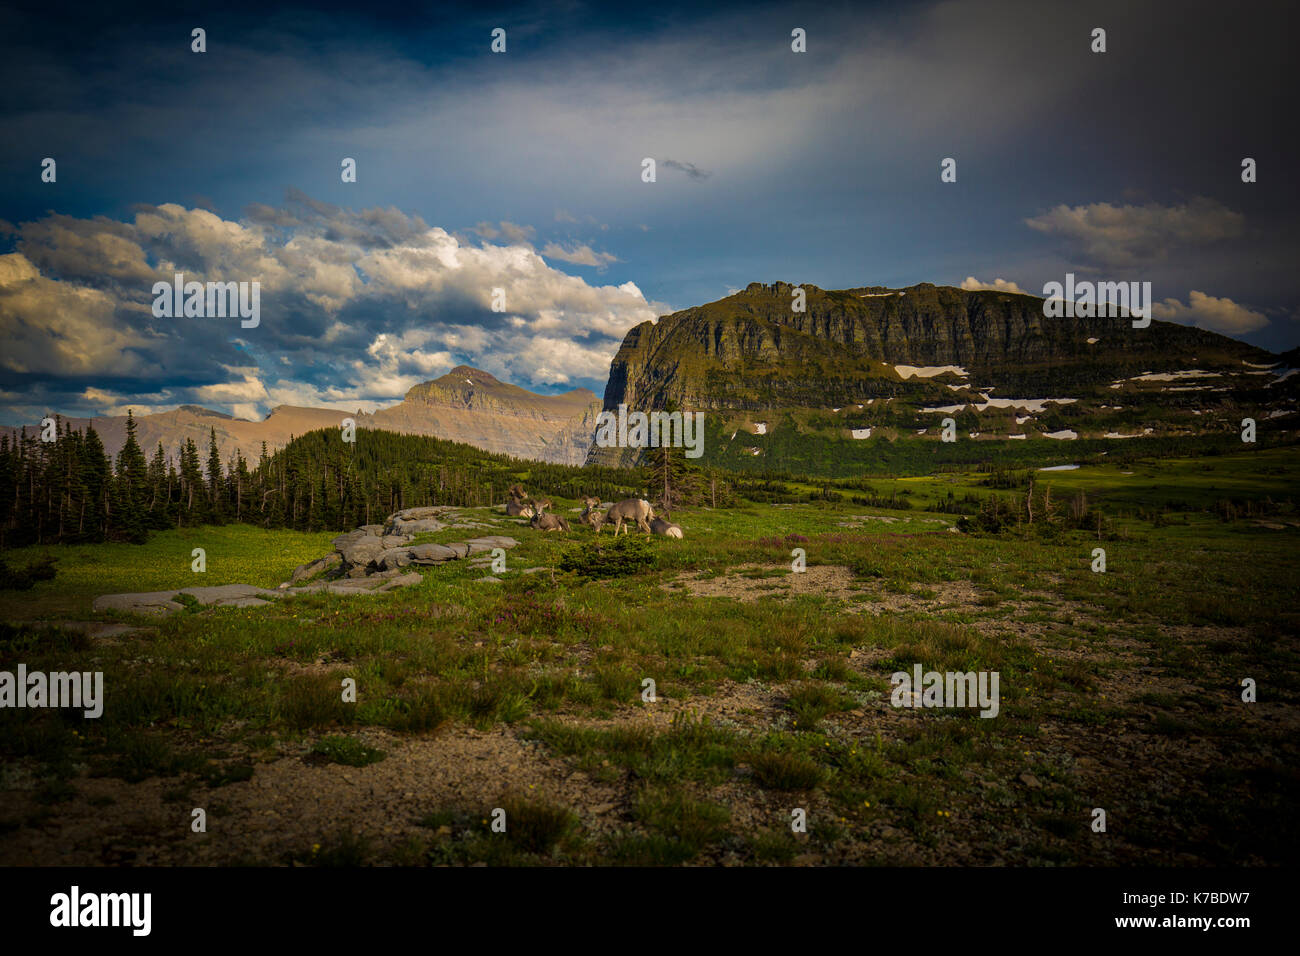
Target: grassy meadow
(1120, 691)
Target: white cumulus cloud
(1207, 312)
(972, 284)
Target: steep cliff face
(750, 356)
(751, 350)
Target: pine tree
(191, 484)
(216, 499)
(672, 481)
(96, 476)
(158, 509)
(132, 484)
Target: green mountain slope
(868, 364)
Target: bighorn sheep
(518, 506)
(590, 515)
(630, 509)
(519, 509)
(544, 522)
(665, 528)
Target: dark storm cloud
(824, 168)
(690, 169)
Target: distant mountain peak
(475, 376)
(463, 380)
(202, 412)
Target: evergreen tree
(193, 502)
(132, 482)
(216, 499)
(97, 477)
(672, 481)
(159, 499)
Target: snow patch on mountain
(929, 371)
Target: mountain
(876, 362)
(468, 405)
(465, 405)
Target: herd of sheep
(629, 511)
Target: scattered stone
(413, 514)
(1030, 781)
(370, 559)
(401, 581)
(432, 554)
(412, 521)
(162, 603)
(151, 603)
(305, 572)
(394, 558)
(362, 551)
(490, 580)
(423, 526)
(343, 539)
(493, 541)
(245, 602)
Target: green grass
(1188, 605)
(236, 554)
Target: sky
(522, 171)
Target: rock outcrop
(370, 560)
(384, 548)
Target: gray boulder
(224, 593)
(394, 558)
(431, 553)
(162, 603)
(305, 572)
(362, 551)
(492, 541)
(415, 514)
(401, 581)
(413, 527)
(152, 603)
(343, 539)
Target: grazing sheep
(665, 528)
(630, 509)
